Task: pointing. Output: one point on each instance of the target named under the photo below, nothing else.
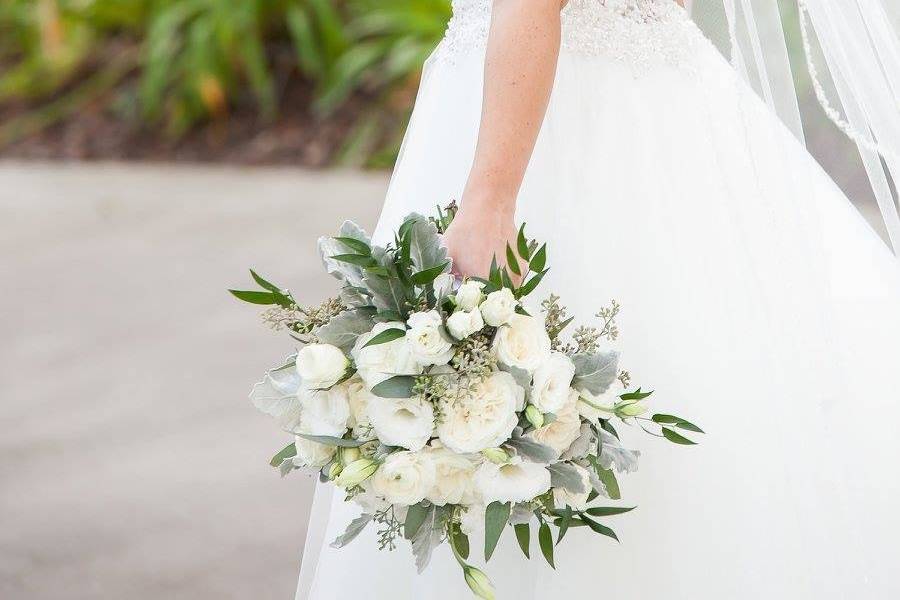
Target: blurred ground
(131, 464)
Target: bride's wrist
(487, 205)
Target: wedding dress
(756, 301)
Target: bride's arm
(520, 66)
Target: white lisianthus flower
(427, 343)
(578, 501)
(406, 422)
(453, 478)
(564, 430)
(404, 477)
(483, 417)
(499, 307)
(516, 481)
(312, 454)
(462, 324)
(382, 361)
(469, 295)
(324, 412)
(552, 381)
(600, 406)
(443, 284)
(471, 520)
(523, 343)
(320, 366)
(359, 398)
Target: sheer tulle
(756, 300)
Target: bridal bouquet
(444, 408)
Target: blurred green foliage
(192, 59)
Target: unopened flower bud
(496, 455)
(534, 416)
(356, 472)
(630, 408)
(479, 583)
(349, 455)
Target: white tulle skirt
(757, 302)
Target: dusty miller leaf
(343, 330)
(428, 537)
(276, 395)
(614, 454)
(426, 249)
(533, 450)
(328, 247)
(355, 527)
(566, 476)
(594, 373)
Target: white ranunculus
(462, 324)
(324, 412)
(552, 381)
(312, 454)
(406, 422)
(499, 307)
(483, 417)
(564, 430)
(578, 501)
(426, 340)
(516, 481)
(600, 406)
(404, 477)
(359, 398)
(443, 284)
(382, 361)
(321, 366)
(523, 343)
(453, 478)
(469, 295)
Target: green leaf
(429, 275)
(359, 260)
(266, 285)
(539, 260)
(495, 519)
(607, 478)
(689, 426)
(667, 419)
(264, 298)
(511, 261)
(676, 438)
(565, 521)
(545, 539)
(636, 395)
(494, 276)
(289, 451)
(523, 536)
(388, 335)
(331, 440)
(522, 243)
(507, 280)
(461, 541)
(530, 285)
(358, 246)
(415, 516)
(399, 386)
(608, 511)
(597, 527)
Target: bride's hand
(479, 232)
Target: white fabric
(756, 301)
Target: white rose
(516, 481)
(483, 417)
(471, 520)
(453, 478)
(359, 398)
(462, 324)
(404, 477)
(498, 307)
(560, 434)
(600, 406)
(321, 366)
(523, 343)
(578, 501)
(382, 361)
(427, 343)
(443, 284)
(469, 295)
(550, 388)
(324, 412)
(312, 454)
(406, 422)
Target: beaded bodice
(639, 33)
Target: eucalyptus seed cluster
(474, 360)
(390, 528)
(610, 330)
(625, 378)
(432, 388)
(303, 320)
(555, 320)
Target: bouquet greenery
(444, 407)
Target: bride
(755, 298)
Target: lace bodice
(639, 33)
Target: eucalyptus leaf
(388, 335)
(355, 527)
(399, 386)
(564, 475)
(496, 517)
(344, 329)
(594, 373)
